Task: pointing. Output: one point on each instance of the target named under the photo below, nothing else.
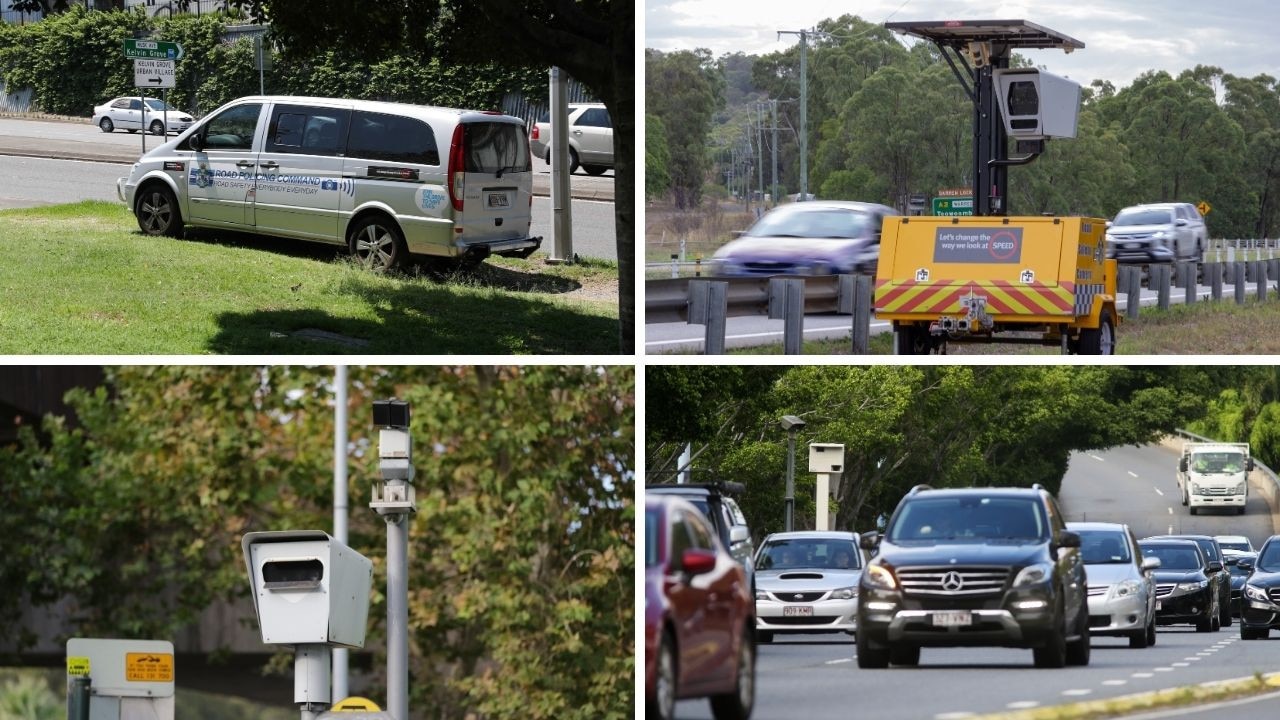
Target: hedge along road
(34, 160)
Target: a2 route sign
(152, 49)
(153, 73)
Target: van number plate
(955, 618)
(498, 200)
(798, 611)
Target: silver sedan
(807, 582)
(1122, 596)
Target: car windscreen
(160, 105)
(1144, 217)
(496, 148)
(809, 553)
(833, 224)
(1217, 462)
(1173, 557)
(969, 518)
(1269, 557)
(1104, 547)
(1240, 545)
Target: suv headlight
(1254, 592)
(1032, 574)
(878, 576)
(849, 593)
(1193, 586)
(1126, 588)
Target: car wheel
(133, 130)
(573, 161)
(912, 340)
(1140, 638)
(1078, 651)
(906, 655)
(1053, 653)
(377, 244)
(1224, 613)
(869, 656)
(1151, 631)
(157, 210)
(764, 637)
(157, 127)
(1247, 633)
(1195, 511)
(663, 704)
(1100, 340)
(106, 125)
(594, 169)
(736, 705)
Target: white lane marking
(1193, 659)
(841, 660)
(1170, 529)
(1133, 474)
(1181, 664)
(1170, 511)
(1158, 492)
(1142, 675)
(1207, 653)
(1077, 691)
(1023, 705)
(1115, 682)
(1163, 669)
(1095, 457)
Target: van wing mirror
(1150, 563)
(869, 540)
(1215, 566)
(738, 534)
(1182, 465)
(1068, 539)
(196, 141)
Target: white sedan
(129, 113)
(807, 582)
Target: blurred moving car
(823, 237)
(1157, 233)
(1239, 574)
(807, 582)
(1260, 606)
(1122, 595)
(714, 500)
(590, 138)
(1238, 543)
(129, 113)
(1184, 593)
(1216, 570)
(698, 615)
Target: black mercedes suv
(1260, 606)
(973, 567)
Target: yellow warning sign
(355, 703)
(77, 666)
(148, 667)
(1204, 207)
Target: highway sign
(153, 73)
(955, 192)
(152, 49)
(953, 206)
(1204, 207)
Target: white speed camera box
(1035, 104)
(308, 588)
(826, 458)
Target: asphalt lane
(816, 676)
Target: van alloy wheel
(377, 244)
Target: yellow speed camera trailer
(970, 279)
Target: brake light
(457, 166)
(534, 135)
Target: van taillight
(457, 166)
(534, 135)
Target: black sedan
(1184, 592)
(1260, 606)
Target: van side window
(392, 138)
(233, 129)
(307, 130)
(594, 117)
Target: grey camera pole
(341, 661)
(394, 500)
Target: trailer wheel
(1100, 340)
(911, 340)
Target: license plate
(797, 611)
(498, 200)
(954, 618)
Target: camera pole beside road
(561, 207)
(393, 498)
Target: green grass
(81, 279)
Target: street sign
(955, 192)
(153, 73)
(1204, 207)
(952, 206)
(152, 49)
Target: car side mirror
(1215, 566)
(1231, 560)
(1150, 563)
(738, 534)
(1182, 465)
(1068, 539)
(196, 141)
(735, 234)
(1248, 464)
(1182, 222)
(1245, 563)
(697, 562)
(869, 540)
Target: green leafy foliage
(684, 90)
(657, 156)
(28, 697)
(521, 550)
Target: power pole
(760, 151)
(774, 103)
(804, 109)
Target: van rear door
(490, 179)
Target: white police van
(388, 180)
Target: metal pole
(78, 698)
(561, 211)
(340, 655)
(398, 616)
(791, 477)
(760, 151)
(311, 689)
(804, 115)
(260, 51)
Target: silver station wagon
(387, 180)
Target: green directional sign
(152, 49)
(952, 206)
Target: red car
(699, 615)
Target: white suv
(590, 138)
(1157, 233)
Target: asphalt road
(756, 330)
(32, 181)
(816, 676)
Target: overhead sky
(1123, 38)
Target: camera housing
(308, 588)
(1036, 105)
